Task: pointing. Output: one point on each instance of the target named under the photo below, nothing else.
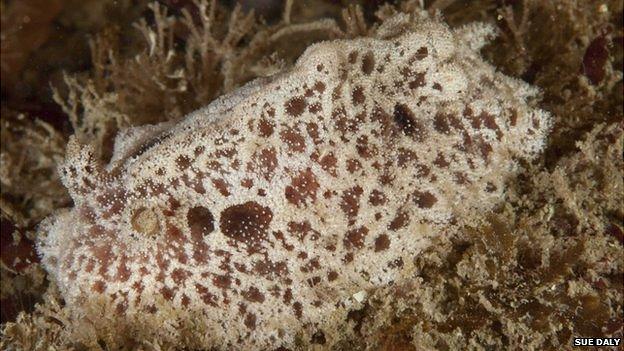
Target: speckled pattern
(261, 215)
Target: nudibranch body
(252, 222)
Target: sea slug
(254, 222)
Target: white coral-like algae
(255, 221)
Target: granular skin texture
(260, 220)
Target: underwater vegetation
(537, 262)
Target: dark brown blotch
(490, 122)
(368, 62)
(248, 223)
(298, 308)
(270, 269)
(183, 162)
(295, 106)
(319, 86)
(293, 139)
(377, 198)
(441, 123)
(400, 220)
(406, 121)
(313, 131)
(364, 149)
(485, 149)
(420, 54)
(441, 161)
(264, 162)
(200, 221)
(207, 297)
(355, 238)
(253, 294)
(332, 275)
(417, 81)
(350, 203)
(222, 186)
(302, 229)
(250, 321)
(357, 95)
(353, 165)
(328, 163)
(222, 281)
(318, 338)
(179, 275)
(315, 108)
(265, 128)
(353, 57)
(405, 156)
(302, 187)
(424, 199)
(382, 242)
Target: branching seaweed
(547, 267)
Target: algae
(544, 267)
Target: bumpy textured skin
(258, 217)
